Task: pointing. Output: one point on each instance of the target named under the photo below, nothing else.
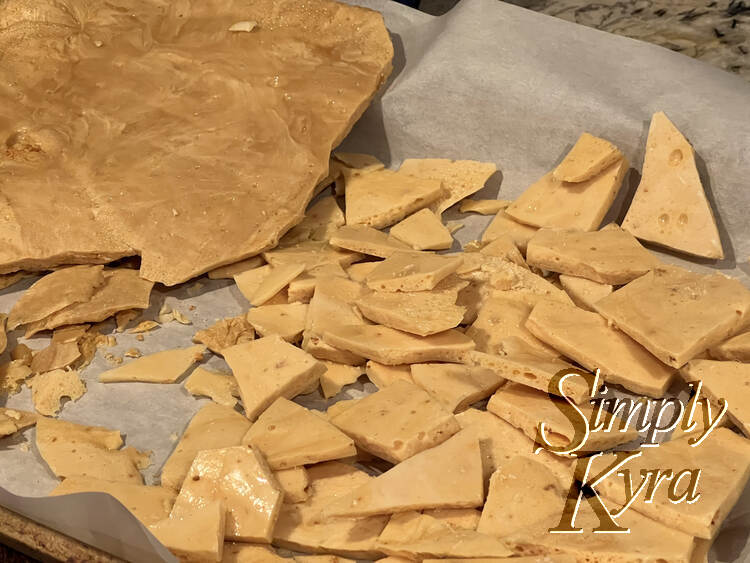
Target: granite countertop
(714, 31)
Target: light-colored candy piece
(289, 435)
(269, 368)
(670, 207)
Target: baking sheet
(488, 81)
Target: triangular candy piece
(446, 476)
(166, 366)
(384, 197)
(423, 231)
(289, 435)
(670, 206)
(588, 157)
(269, 368)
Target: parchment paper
(488, 81)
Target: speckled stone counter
(714, 31)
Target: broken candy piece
(528, 367)
(122, 289)
(460, 178)
(320, 222)
(72, 449)
(337, 376)
(12, 374)
(269, 368)
(552, 203)
(526, 408)
(293, 482)
(12, 420)
(423, 231)
(54, 292)
(483, 206)
(302, 288)
(248, 281)
(724, 380)
(670, 206)
(383, 197)
(332, 305)
(382, 375)
(277, 279)
(358, 161)
(500, 442)
(736, 348)
(504, 225)
(416, 312)
(677, 314)
(289, 435)
(404, 271)
(123, 318)
(455, 385)
(456, 518)
(446, 476)
(610, 256)
(239, 478)
(301, 526)
(197, 535)
(148, 504)
(724, 463)
(311, 254)
(161, 367)
(144, 326)
(583, 292)
(392, 347)
(500, 277)
(503, 247)
(286, 321)
(250, 553)
(413, 534)
(23, 354)
(502, 514)
(231, 270)
(48, 389)
(3, 335)
(214, 426)
(364, 239)
(588, 157)
(502, 316)
(397, 422)
(589, 340)
(57, 355)
(221, 388)
(225, 333)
